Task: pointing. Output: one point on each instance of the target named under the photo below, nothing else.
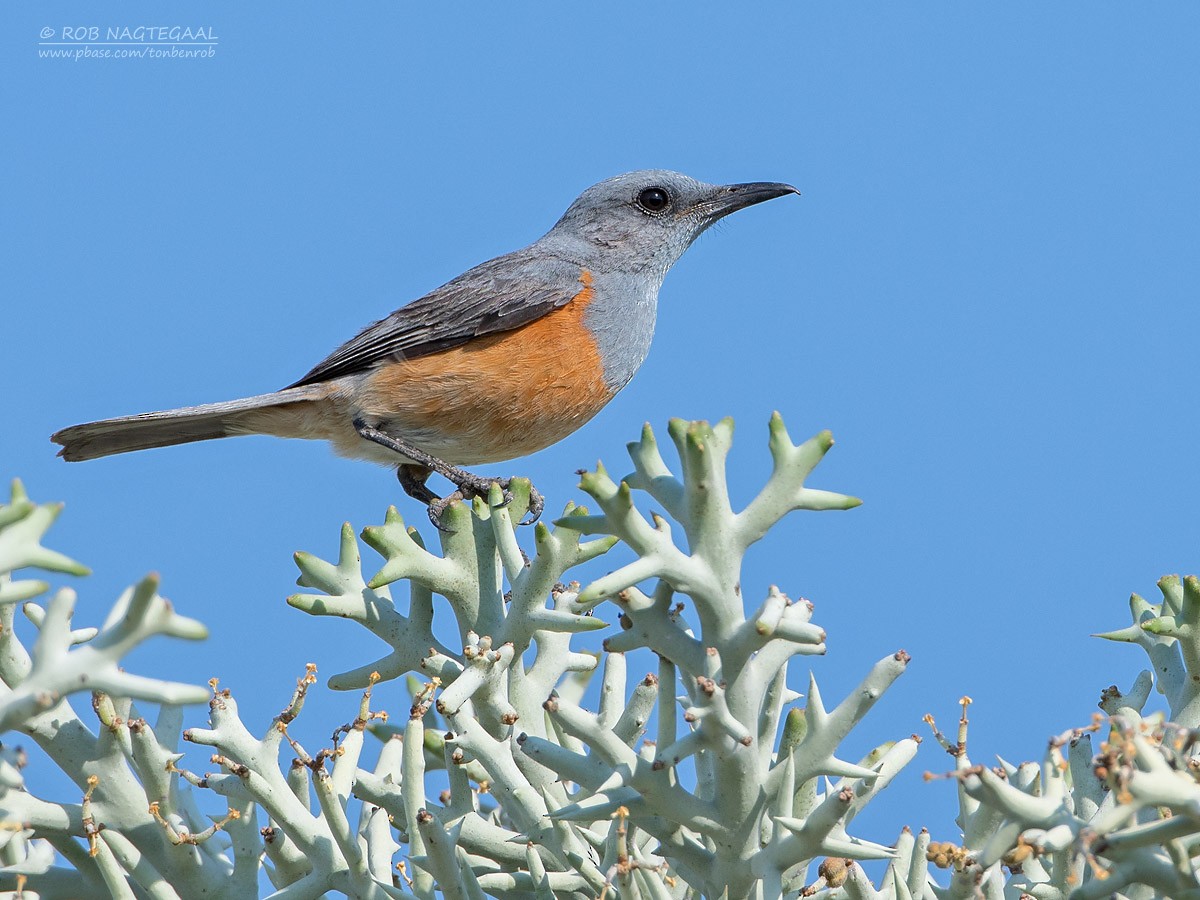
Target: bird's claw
(438, 506)
(536, 504)
(479, 486)
(536, 501)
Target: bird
(504, 360)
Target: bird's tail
(173, 426)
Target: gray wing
(498, 295)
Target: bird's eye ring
(653, 199)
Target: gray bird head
(650, 217)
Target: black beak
(732, 197)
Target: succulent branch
(545, 797)
(539, 761)
(1121, 822)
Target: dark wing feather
(499, 295)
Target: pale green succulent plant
(708, 777)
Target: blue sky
(987, 291)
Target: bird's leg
(468, 484)
(402, 447)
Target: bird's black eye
(653, 199)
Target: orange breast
(497, 397)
